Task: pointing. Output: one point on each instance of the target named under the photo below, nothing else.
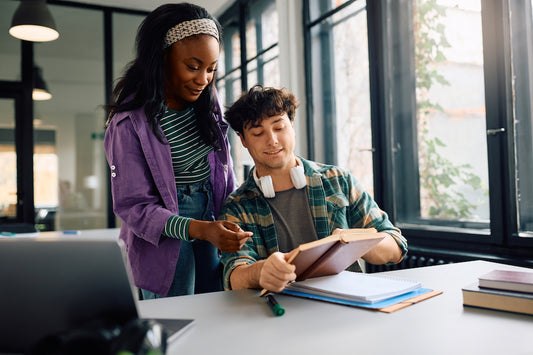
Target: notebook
(356, 287)
(48, 286)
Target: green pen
(274, 305)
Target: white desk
(85, 233)
(227, 321)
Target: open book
(333, 254)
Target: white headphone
(267, 187)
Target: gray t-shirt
(292, 218)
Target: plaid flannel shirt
(336, 198)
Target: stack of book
(502, 290)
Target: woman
(168, 152)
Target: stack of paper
(355, 286)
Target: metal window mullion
(522, 53)
(498, 103)
(108, 90)
(24, 140)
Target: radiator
(409, 262)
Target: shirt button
(113, 167)
(113, 174)
(225, 167)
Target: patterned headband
(190, 28)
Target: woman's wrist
(195, 229)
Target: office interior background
(426, 102)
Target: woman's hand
(226, 236)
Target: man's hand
(226, 236)
(276, 272)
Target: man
(287, 200)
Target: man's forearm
(246, 276)
(384, 252)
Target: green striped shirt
(177, 227)
(189, 160)
(188, 150)
(336, 199)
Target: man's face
(270, 143)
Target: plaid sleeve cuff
(177, 227)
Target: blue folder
(378, 305)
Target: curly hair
(257, 104)
(144, 80)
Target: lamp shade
(32, 21)
(40, 89)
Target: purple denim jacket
(144, 194)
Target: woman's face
(189, 67)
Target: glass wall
(70, 180)
(9, 46)
(73, 68)
(9, 72)
(124, 31)
(8, 161)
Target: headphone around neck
(267, 187)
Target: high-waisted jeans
(198, 268)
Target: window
(442, 155)
(254, 52)
(433, 99)
(230, 87)
(450, 110)
(261, 44)
(340, 67)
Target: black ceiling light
(33, 21)
(40, 89)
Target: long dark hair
(143, 83)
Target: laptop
(52, 285)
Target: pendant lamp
(40, 89)
(33, 21)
